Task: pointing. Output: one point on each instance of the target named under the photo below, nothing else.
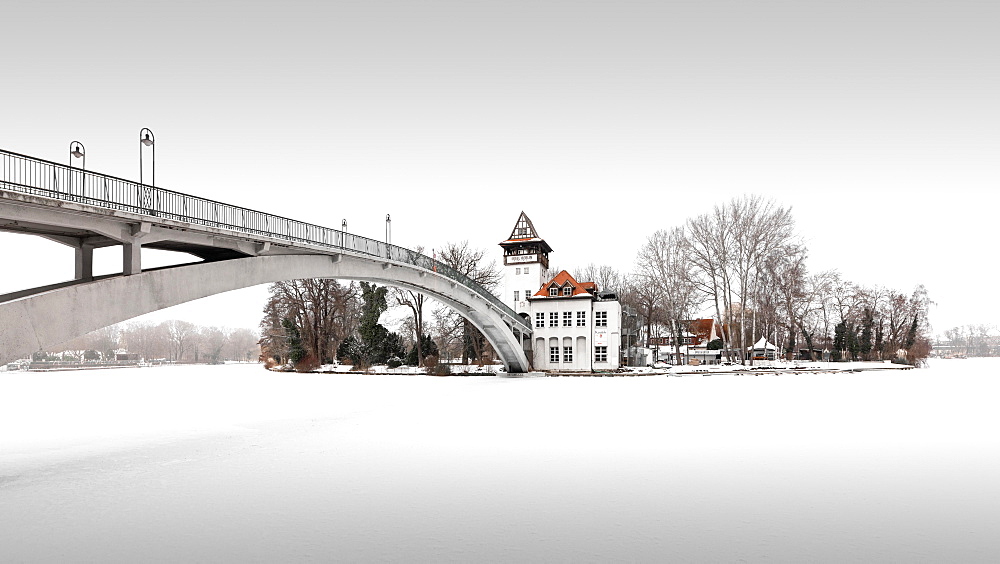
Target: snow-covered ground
(232, 463)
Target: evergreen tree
(879, 341)
(347, 349)
(371, 332)
(295, 350)
(427, 346)
(391, 348)
(853, 345)
(911, 335)
(865, 342)
(839, 340)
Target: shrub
(439, 369)
(394, 362)
(307, 363)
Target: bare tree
(474, 264)
(181, 335)
(146, 340)
(415, 302)
(213, 340)
(729, 248)
(242, 345)
(606, 277)
(322, 310)
(663, 266)
(709, 241)
(761, 229)
(448, 329)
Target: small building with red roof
(577, 327)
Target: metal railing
(37, 177)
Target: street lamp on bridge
(146, 138)
(76, 150)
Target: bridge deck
(176, 217)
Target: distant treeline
(969, 340)
(175, 341)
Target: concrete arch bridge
(239, 248)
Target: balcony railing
(37, 177)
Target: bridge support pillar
(131, 258)
(84, 262)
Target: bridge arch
(52, 318)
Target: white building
(575, 326)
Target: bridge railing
(28, 175)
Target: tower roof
(524, 232)
(523, 229)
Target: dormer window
(567, 291)
(553, 292)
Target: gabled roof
(702, 328)
(524, 232)
(562, 280)
(763, 344)
(523, 229)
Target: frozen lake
(231, 463)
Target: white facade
(521, 280)
(576, 333)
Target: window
(553, 291)
(601, 354)
(517, 296)
(600, 318)
(567, 319)
(581, 319)
(553, 319)
(539, 319)
(518, 271)
(567, 354)
(568, 291)
(554, 355)
(527, 293)
(526, 270)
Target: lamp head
(146, 140)
(77, 151)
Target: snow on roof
(762, 344)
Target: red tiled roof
(562, 280)
(702, 328)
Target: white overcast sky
(876, 121)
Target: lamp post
(388, 230)
(76, 150)
(147, 138)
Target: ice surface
(232, 463)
